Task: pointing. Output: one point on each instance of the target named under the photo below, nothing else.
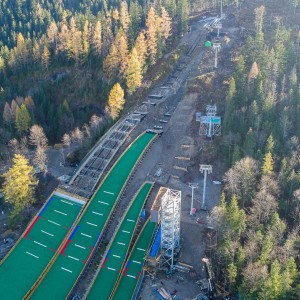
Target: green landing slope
(127, 284)
(115, 257)
(28, 259)
(63, 275)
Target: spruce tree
(116, 100)
(19, 184)
(133, 72)
(23, 119)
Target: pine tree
(86, 39)
(134, 72)
(141, 48)
(236, 155)
(267, 167)
(122, 49)
(45, 57)
(270, 144)
(249, 143)
(166, 24)
(183, 14)
(236, 217)
(231, 273)
(36, 52)
(111, 63)
(135, 12)
(116, 100)
(259, 15)
(8, 116)
(124, 16)
(23, 119)
(272, 287)
(74, 42)
(52, 34)
(151, 35)
(63, 39)
(97, 39)
(19, 184)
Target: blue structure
(156, 244)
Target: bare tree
(264, 202)
(40, 159)
(14, 145)
(8, 115)
(77, 135)
(24, 145)
(241, 179)
(37, 137)
(66, 140)
(254, 275)
(96, 124)
(87, 130)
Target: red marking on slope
(30, 227)
(65, 246)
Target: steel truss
(170, 226)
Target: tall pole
(216, 57)
(209, 128)
(193, 186)
(221, 8)
(205, 169)
(216, 47)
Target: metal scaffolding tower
(170, 226)
(206, 169)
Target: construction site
(140, 198)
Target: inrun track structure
(113, 261)
(128, 284)
(74, 256)
(25, 263)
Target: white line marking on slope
(73, 257)
(47, 233)
(59, 212)
(106, 192)
(103, 202)
(91, 224)
(80, 246)
(66, 270)
(54, 223)
(96, 213)
(66, 202)
(32, 254)
(40, 244)
(85, 235)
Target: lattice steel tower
(170, 226)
